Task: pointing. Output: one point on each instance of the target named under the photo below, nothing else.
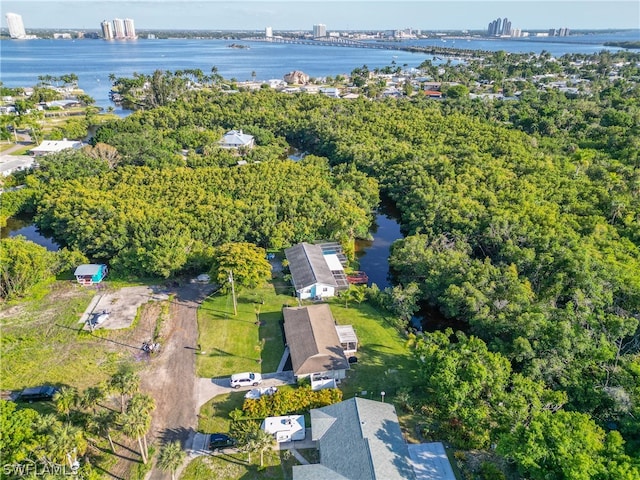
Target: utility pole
(233, 293)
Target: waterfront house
(236, 139)
(358, 439)
(317, 271)
(88, 274)
(54, 146)
(314, 345)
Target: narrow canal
(373, 256)
(23, 225)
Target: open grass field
(249, 341)
(42, 342)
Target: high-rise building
(319, 30)
(16, 27)
(107, 30)
(129, 29)
(268, 32)
(118, 29)
(499, 27)
(506, 27)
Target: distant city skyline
(335, 14)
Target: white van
(246, 379)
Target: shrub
(287, 402)
(489, 471)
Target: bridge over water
(350, 43)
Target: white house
(236, 139)
(54, 146)
(317, 271)
(285, 429)
(14, 163)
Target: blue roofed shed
(90, 273)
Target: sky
(335, 14)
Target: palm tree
(141, 404)
(171, 457)
(91, 396)
(136, 425)
(46, 422)
(125, 382)
(249, 445)
(63, 441)
(101, 425)
(262, 440)
(65, 399)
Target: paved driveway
(207, 388)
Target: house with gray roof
(88, 274)
(314, 344)
(236, 139)
(358, 439)
(317, 271)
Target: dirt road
(171, 376)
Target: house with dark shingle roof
(314, 344)
(358, 439)
(316, 270)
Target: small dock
(358, 278)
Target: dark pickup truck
(32, 394)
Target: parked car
(245, 379)
(220, 440)
(43, 392)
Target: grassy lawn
(5, 146)
(214, 415)
(232, 344)
(384, 362)
(235, 344)
(42, 341)
(277, 465)
(23, 150)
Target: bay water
(93, 60)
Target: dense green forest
(522, 220)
